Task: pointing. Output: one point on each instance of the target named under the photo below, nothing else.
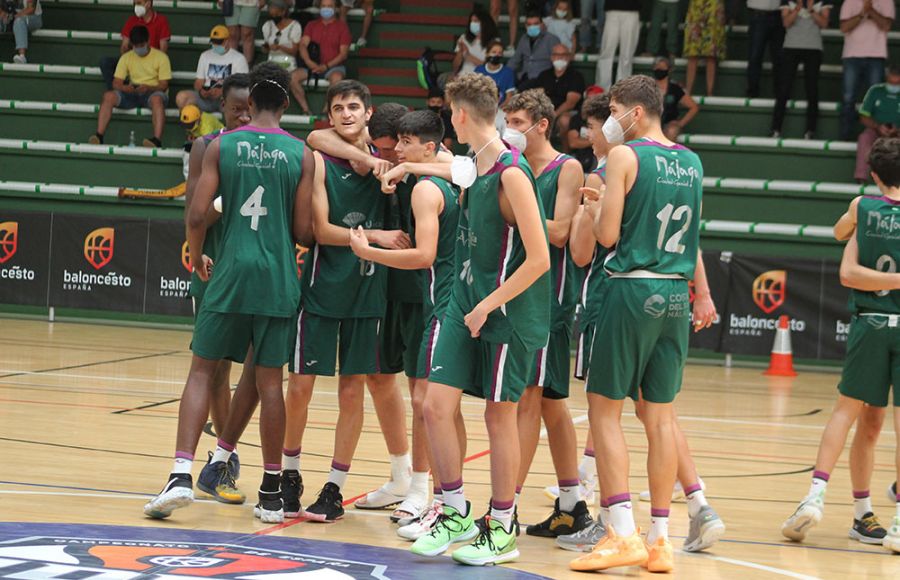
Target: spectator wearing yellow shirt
(197, 123)
(141, 80)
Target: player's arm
(206, 188)
(524, 204)
(195, 168)
(440, 169)
(846, 224)
(329, 142)
(621, 166)
(427, 204)
(704, 308)
(582, 241)
(853, 275)
(303, 223)
(571, 178)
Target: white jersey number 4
(253, 207)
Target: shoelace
(444, 521)
(871, 523)
(484, 537)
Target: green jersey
(256, 270)
(438, 279)
(878, 236)
(336, 282)
(488, 251)
(660, 233)
(213, 239)
(403, 285)
(565, 278)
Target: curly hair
(596, 107)
(534, 102)
(475, 93)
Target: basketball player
(867, 268)
(650, 219)
(529, 121)
(343, 302)
(264, 178)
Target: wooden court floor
(87, 428)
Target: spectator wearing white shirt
(471, 46)
(561, 24)
(215, 65)
(281, 36)
(620, 33)
(23, 17)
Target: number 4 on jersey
(253, 208)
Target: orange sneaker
(660, 556)
(613, 551)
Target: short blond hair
(534, 102)
(476, 93)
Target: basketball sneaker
(177, 493)
(660, 556)
(562, 523)
(808, 514)
(586, 489)
(270, 509)
(291, 492)
(613, 551)
(677, 492)
(868, 530)
(234, 464)
(416, 529)
(583, 541)
(450, 527)
(493, 545)
(482, 521)
(892, 539)
(892, 492)
(329, 506)
(217, 480)
(706, 529)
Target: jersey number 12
(253, 207)
(671, 213)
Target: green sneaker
(494, 545)
(450, 527)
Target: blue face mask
(475, 28)
(219, 49)
(142, 50)
(327, 13)
(893, 89)
(533, 30)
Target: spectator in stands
(578, 140)
(144, 15)
(560, 23)
(330, 38)
(532, 55)
(25, 19)
(369, 7)
(865, 24)
(281, 36)
(512, 8)
(704, 37)
(215, 65)
(141, 80)
(664, 10)
(620, 33)
(564, 85)
(503, 76)
(471, 46)
(584, 32)
(437, 104)
(197, 123)
(242, 25)
(880, 115)
(803, 21)
(674, 97)
(766, 29)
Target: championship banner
(24, 257)
(168, 270)
(98, 262)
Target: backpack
(427, 70)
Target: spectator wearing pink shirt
(865, 24)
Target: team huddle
(465, 274)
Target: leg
(600, 10)
(158, 112)
(221, 396)
(108, 69)
(711, 65)
(863, 145)
(562, 439)
(845, 413)
(862, 450)
(247, 42)
(194, 407)
(607, 53)
(529, 427)
(662, 457)
(791, 62)
(631, 30)
(109, 102)
(298, 77)
(369, 7)
(659, 9)
(503, 437)
(335, 77)
(776, 48)
(299, 394)
(234, 33)
(691, 75)
(391, 412)
(440, 413)
(185, 98)
(673, 35)
(851, 78)
(351, 394)
(757, 35)
(811, 65)
(243, 405)
(609, 441)
(271, 414)
(512, 6)
(421, 450)
(584, 29)
(562, 123)
(21, 28)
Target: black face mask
(494, 60)
(436, 109)
(277, 19)
(660, 74)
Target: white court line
(755, 566)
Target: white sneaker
(808, 514)
(417, 529)
(892, 539)
(388, 495)
(586, 491)
(20, 59)
(177, 493)
(412, 508)
(677, 493)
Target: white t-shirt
(562, 28)
(216, 67)
(246, 3)
(290, 35)
(475, 49)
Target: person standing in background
(620, 32)
(242, 25)
(668, 10)
(704, 37)
(584, 31)
(766, 29)
(533, 52)
(512, 7)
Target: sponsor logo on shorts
(770, 290)
(9, 240)
(310, 363)
(99, 246)
(655, 306)
(436, 369)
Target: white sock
(182, 464)
(696, 501)
(604, 516)
(621, 517)
(220, 454)
(503, 515)
(568, 497)
(418, 484)
(587, 469)
(338, 476)
(290, 459)
(818, 485)
(456, 498)
(861, 505)
(659, 526)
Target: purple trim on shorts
(541, 353)
(693, 488)
(861, 494)
(502, 505)
(898, 498)
(567, 483)
(268, 131)
(658, 513)
(224, 445)
(883, 198)
(335, 160)
(340, 466)
(272, 466)
(291, 452)
(184, 455)
(589, 452)
(452, 486)
(617, 499)
(821, 475)
(562, 158)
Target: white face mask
(140, 10)
(516, 138)
(463, 170)
(613, 131)
(560, 64)
(561, 14)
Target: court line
(83, 365)
(754, 565)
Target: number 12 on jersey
(669, 214)
(253, 207)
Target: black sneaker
(177, 493)
(329, 506)
(234, 465)
(482, 522)
(291, 491)
(270, 509)
(216, 479)
(868, 530)
(562, 523)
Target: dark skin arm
(200, 205)
(303, 224)
(195, 169)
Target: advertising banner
(24, 257)
(168, 270)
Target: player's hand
(393, 240)
(206, 268)
(391, 178)
(704, 312)
(359, 243)
(475, 320)
(378, 166)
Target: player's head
(531, 113)
(383, 129)
(884, 161)
(435, 100)
(595, 112)
(236, 100)
(140, 40)
(269, 85)
(420, 134)
(635, 104)
(473, 101)
(349, 108)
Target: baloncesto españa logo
(769, 292)
(9, 240)
(98, 251)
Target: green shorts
(643, 328)
(219, 335)
(493, 371)
(873, 360)
(319, 339)
(401, 339)
(583, 350)
(246, 16)
(550, 365)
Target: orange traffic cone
(781, 363)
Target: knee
(110, 98)
(418, 403)
(335, 77)
(298, 76)
(350, 397)
(156, 102)
(247, 34)
(432, 411)
(869, 425)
